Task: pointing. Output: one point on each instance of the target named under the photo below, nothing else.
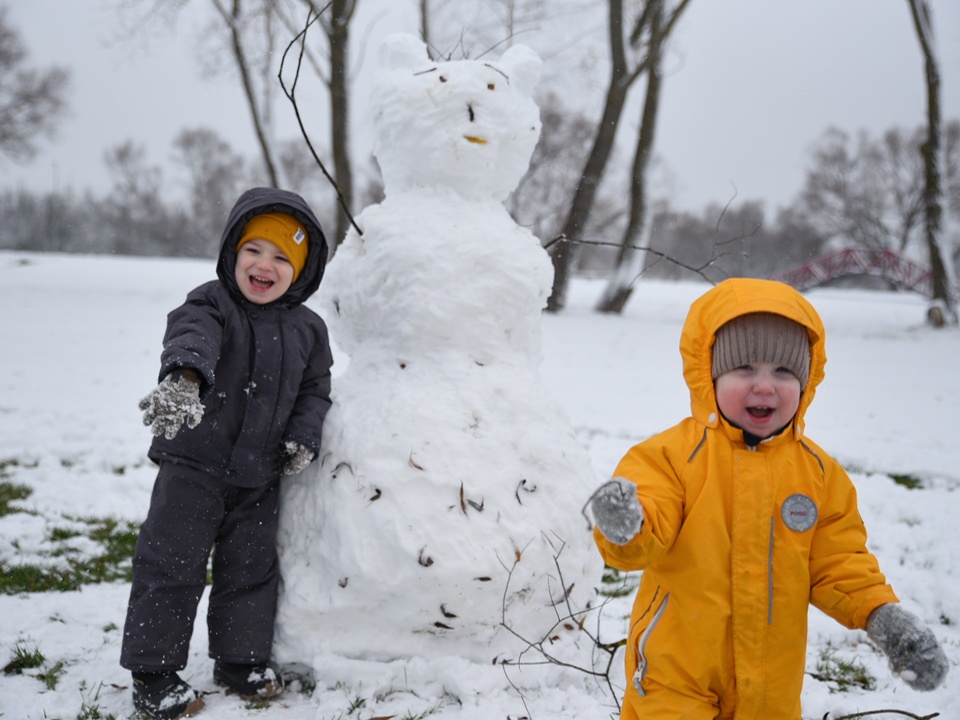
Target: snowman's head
(467, 125)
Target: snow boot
(250, 682)
(164, 696)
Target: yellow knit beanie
(283, 231)
(762, 337)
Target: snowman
(443, 516)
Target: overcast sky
(749, 86)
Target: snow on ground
(80, 342)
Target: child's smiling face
(262, 271)
(760, 398)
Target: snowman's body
(447, 497)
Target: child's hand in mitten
(296, 457)
(910, 646)
(174, 401)
(617, 510)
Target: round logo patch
(799, 513)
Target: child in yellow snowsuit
(739, 521)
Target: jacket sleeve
(650, 466)
(845, 578)
(193, 336)
(305, 425)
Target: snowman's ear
(402, 51)
(523, 66)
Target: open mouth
(760, 412)
(259, 283)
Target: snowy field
(80, 344)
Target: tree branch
(231, 18)
(572, 619)
(291, 96)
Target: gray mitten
(617, 510)
(174, 401)
(910, 646)
(296, 457)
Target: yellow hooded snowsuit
(736, 542)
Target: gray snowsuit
(265, 379)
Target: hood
(263, 200)
(726, 301)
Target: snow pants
(190, 514)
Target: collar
(752, 440)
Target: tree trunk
(338, 35)
(563, 253)
(232, 19)
(425, 24)
(942, 274)
(629, 259)
(622, 77)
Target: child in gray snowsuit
(244, 387)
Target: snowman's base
(488, 619)
(452, 687)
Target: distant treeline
(860, 190)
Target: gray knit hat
(762, 337)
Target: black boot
(164, 696)
(250, 682)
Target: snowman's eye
(442, 79)
(491, 86)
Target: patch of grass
(51, 677)
(26, 658)
(90, 707)
(616, 583)
(27, 578)
(257, 704)
(62, 534)
(841, 674)
(300, 677)
(910, 482)
(116, 540)
(10, 492)
(425, 714)
(92, 712)
(23, 658)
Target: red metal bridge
(897, 269)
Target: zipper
(641, 671)
(770, 575)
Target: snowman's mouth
(476, 140)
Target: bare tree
(234, 19)
(544, 191)
(135, 220)
(471, 28)
(623, 74)
(943, 280)
(336, 26)
(630, 257)
(425, 23)
(867, 192)
(31, 101)
(216, 173)
(254, 30)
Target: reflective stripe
(641, 672)
(770, 575)
(699, 445)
